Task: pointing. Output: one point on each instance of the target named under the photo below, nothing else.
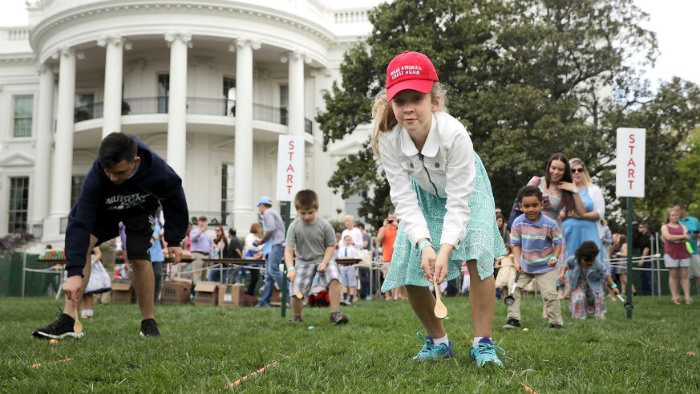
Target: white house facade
(209, 85)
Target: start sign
(631, 155)
(290, 167)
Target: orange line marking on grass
(258, 372)
(65, 360)
(528, 388)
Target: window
(19, 202)
(76, 185)
(163, 93)
(353, 204)
(24, 111)
(284, 101)
(227, 184)
(230, 95)
(84, 107)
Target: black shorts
(139, 223)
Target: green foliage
(688, 188)
(204, 348)
(528, 78)
(668, 119)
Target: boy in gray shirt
(313, 240)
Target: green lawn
(204, 348)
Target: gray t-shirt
(272, 222)
(310, 240)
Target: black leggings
(254, 275)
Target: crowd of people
(445, 225)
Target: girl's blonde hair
(668, 214)
(586, 178)
(384, 118)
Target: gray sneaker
(338, 318)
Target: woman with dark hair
(559, 193)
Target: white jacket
(445, 167)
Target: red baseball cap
(410, 70)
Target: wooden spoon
(440, 308)
(298, 293)
(77, 326)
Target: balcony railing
(195, 105)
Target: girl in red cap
(443, 197)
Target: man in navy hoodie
(127, 183)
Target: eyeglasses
(575, 170)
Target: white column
(244, 211)
(114, 70)
(296, 92)
(44, 138)
(177, 102)
(62, 169)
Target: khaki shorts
(694, 270)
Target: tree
(670, 153)
(687, 190)
(528, 78)
(452, 33)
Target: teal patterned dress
(483, 242)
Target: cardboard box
(123, 293)
(206, 293)
(176, 291)
(232, 295)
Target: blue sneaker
(486, 352)
(431, 351)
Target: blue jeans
(229, 274)
(646, 278)
(272, 273)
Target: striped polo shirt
(537, 241)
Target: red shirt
(388, 243)
(676, 251)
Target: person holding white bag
(100, 282)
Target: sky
(672, 20)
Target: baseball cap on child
(264, 200)
(410, 70)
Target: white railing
(351, 16)
(656, 269)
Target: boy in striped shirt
(537, 243)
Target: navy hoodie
(154, 181)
